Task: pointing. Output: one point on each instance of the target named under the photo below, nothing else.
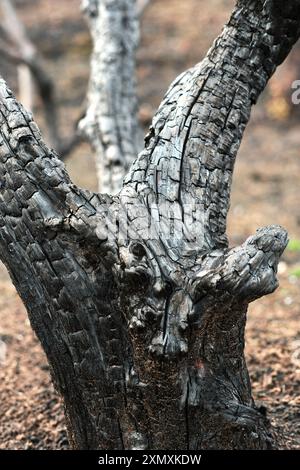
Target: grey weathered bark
(111, 123)
(18, 48)
(144, 328)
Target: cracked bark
(138, 301)
(111, 123)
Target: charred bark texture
(111, 123)
(137, 299)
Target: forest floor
(175, 35)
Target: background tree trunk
(137, 300)
(16, 46)
(111, 123)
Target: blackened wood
(144, 328)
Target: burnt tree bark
(137, 300)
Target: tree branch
(190, 151)
(34, 178)
(18, 49)
(246, 272)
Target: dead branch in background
(16, 46)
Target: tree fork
(138, 301)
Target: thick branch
(33, 178)
(191, 148)
(246, 272)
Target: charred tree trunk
(137, 300)
(111, 123)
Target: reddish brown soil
(175, 35)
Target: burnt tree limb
(137, 299)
